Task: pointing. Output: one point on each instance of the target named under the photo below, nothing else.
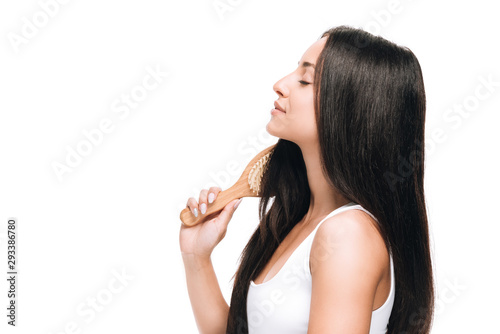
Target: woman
(344, 245)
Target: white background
(118, 210)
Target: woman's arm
(197, 243)
(347, 261)
(209, 306)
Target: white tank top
(282, 304)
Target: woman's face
(295, 96)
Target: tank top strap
(343, 208)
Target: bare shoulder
(352, 234)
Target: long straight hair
(370, 115)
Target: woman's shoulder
(352, 234)
(355, 223)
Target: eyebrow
(306, 64)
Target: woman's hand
(201, 239)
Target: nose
(280, 88)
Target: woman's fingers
(212, 193)
(202, 203)
(193, 206)
(207, 196)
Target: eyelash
(304, 83)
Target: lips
(277, 106)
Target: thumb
(227, 213)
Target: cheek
(304, 116)
(303, 107)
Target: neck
(324, 197)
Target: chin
(273, 129)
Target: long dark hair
(370, 113)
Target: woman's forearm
(209, 306)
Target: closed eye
(304, 83)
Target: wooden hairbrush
(248, 185)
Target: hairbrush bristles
(256, 173)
